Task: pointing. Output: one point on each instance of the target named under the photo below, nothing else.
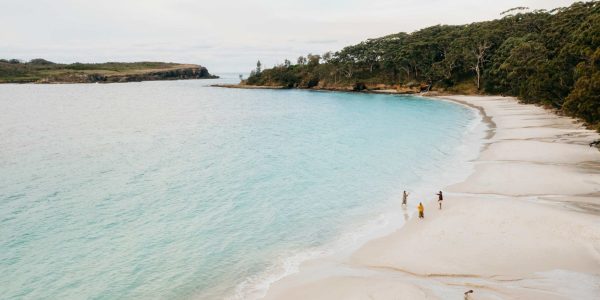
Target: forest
(547, 57)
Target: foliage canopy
(546, 57)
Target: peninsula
(44, 71)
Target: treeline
(546, 57)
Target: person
(440, 198)
(421, 211)
(404, 198)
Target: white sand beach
(524, 225)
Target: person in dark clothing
(404, 198)
(440, 198)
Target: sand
(524, 225)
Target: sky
(223, 35)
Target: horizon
(384, 149)
(169, 32)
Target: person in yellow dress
(421, 211)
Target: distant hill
(43, 71)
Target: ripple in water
(179, 190)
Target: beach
(524, 225)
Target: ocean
(179, 190)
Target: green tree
(545, 57)
(313, 60)
(584, 100)
(258, 67)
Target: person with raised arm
(404, 198)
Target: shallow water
(176, 190)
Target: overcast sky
(223, 35)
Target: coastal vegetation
(544, 57)
(43, 71)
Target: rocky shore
(359, 87)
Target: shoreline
(348, 89)
(382, 223)
(495, 235)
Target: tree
(514, 9)
(313, 60)
(40, 61)
(327, 56)
(479, 53)
(546, 57)
(521, 68)
(584, 100)
(258, 67)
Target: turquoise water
(177, 190)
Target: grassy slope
(28, 72)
